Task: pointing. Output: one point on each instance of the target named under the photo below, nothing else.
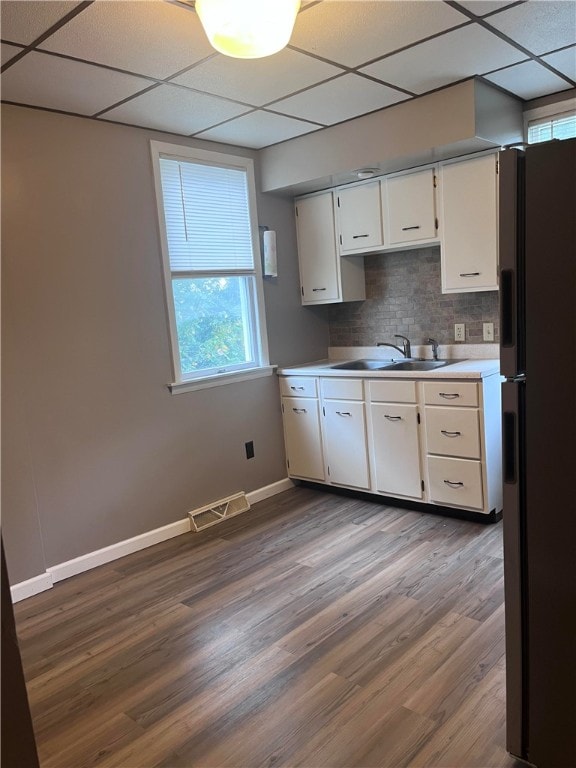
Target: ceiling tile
(258, 81)
(482, 7)
(340, 99)
(258, 129)
(564, 61)
(23, 21)
(539, 26)
(175, 109)
(528, 80)
(150, 38)
(42, 80)
(9, 51)
(353, 33)
(454, 56)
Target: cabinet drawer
(456, 482)
(453, 431)
(342, 389)
(392, 391)
(298, 386)
(450, 393)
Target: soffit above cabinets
(148, 62)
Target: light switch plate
(459, 332)
(488, 331)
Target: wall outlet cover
(488, 331)
(459, 332)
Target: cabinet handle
(299, 410)
(405, 229)
(291, 387)
(449, 395)
(469, 274)
(355, 237)
(318, 289)
(392, 418)
(453, 483)
(450, 434)
(343, 413)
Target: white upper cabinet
(469, 224)
(359, 217)
(409, 202)
(324, 276)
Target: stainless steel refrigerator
(538, 359)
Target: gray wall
(95, 448)
(403, 295)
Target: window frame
(258, 331)
(548, 112)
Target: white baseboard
(115, 551)
(31, 587)
(269, 490)
(105, 555)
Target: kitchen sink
(418, 365)
(364, 365)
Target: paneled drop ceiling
(148, 63)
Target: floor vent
(219, 511)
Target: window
(206, 203)
(547, 123)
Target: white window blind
(561, 126)
(207, 217)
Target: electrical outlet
(459, 332)
(249, 446)
(488, 331)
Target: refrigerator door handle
(510, 458)
(508, 308)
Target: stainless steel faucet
(434, 348)
(405, 344)
(406, 351)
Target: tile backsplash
(403, 295)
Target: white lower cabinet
(345, 443)
(437, 441)
(302, 434)
(396, 449)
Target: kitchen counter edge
(458, 369)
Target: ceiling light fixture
(365, 173)
(248, 29)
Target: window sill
(220, 379)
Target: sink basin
(364, 365)
(418, 365)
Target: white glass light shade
(248, 29)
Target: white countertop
(456, 369)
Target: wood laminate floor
(313, 630)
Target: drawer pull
(469, 274)
(450, 434)
(318, 289)
(355, 237)
(299, 410)
(343, 413)
(453, 483)
(405, 229)
(291, 387)
(392, 418)
(449, 395)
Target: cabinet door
(410, 207)
(360, 218)
(302, 436)
(345, 443)
(469, 225)
(396, 449)
(319, 272)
